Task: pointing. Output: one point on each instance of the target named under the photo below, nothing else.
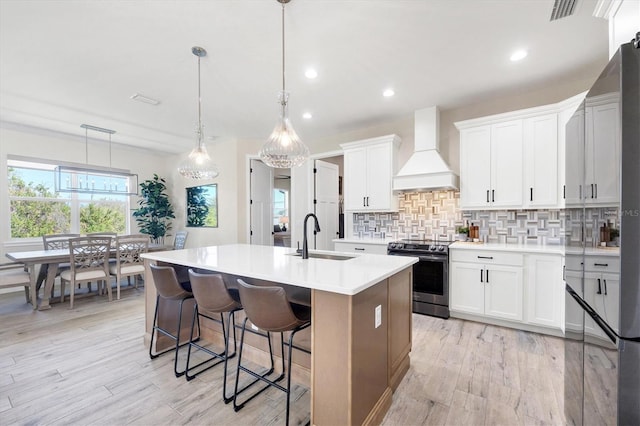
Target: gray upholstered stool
(269, 309)
(213, 300)
(168, 288)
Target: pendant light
(284, 149)
(198, 165)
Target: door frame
(295, 215)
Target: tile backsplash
(436, 214)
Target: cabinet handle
(599, 287)
(531, 194)
(605, 287)
(487, 276)
(596, 190)
(481, 277)
(487, 195)
(564, 192)
(367, 201)
(485, 257)
(580, 191)
(591, 190)
(358, 248)
(364, 201)
(601, 264)
(493, 195)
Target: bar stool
(213, 300)
(168, 288)
(269, 309)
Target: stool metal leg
(258, 377)
(156, 329)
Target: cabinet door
(574, 157)
(379, 178)
(606, 145)
(506, 164)
(602, 292)
(503, 292)
(475, 167)
(541, 165)
(574, 315)
(355, 184)
(466, 290)
(545, 290)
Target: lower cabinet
(487, 289)
(602, 292)
(521, 290)
(545, 290)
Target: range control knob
(432, 248)
(440, 248)
(392, 245)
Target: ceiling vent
(562, 9)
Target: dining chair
(180, 240)
(55, 242)
(15, 275)
(89, 258)
(128, 261)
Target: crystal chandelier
(284, 149)
(198, 165)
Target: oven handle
(441, 259)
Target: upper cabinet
(516, 160)
(491, 165)
(602, 151)
(369, 166)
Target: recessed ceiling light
(142, 98)
(311, 73)
(388, 93)
(518, 55)
(307, 115)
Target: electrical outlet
(378, 316)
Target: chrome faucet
(305, 248)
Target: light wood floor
(89, 366)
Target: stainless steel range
(430, 274)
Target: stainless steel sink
(324, 256)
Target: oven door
(431, 280)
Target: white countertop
(274, 264)
(367, 240)
(521, 248)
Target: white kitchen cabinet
(541, 161)
(365, 247)
(545, 290)
(574, 153)
(602, 153)
(486, 283)
(602, 292)
(491, 166)
(369, 166)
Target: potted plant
(463, 233)
(614, 234)
(155, 212)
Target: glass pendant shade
(284, 149)
(198, 164)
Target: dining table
(50, 259)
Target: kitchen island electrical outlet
(378, 316)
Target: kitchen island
(361, 319)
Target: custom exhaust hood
(426, 169)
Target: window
(280, 205)
(37, 208)
(202, 206)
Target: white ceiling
(64, 63)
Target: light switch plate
(378, 316)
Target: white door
(475, 167)
(261, 203)
(503, 292)
(506, 164)
(541, 164)
(467, 287)
(545, 292)
(326, 204)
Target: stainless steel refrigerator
(602, 262)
